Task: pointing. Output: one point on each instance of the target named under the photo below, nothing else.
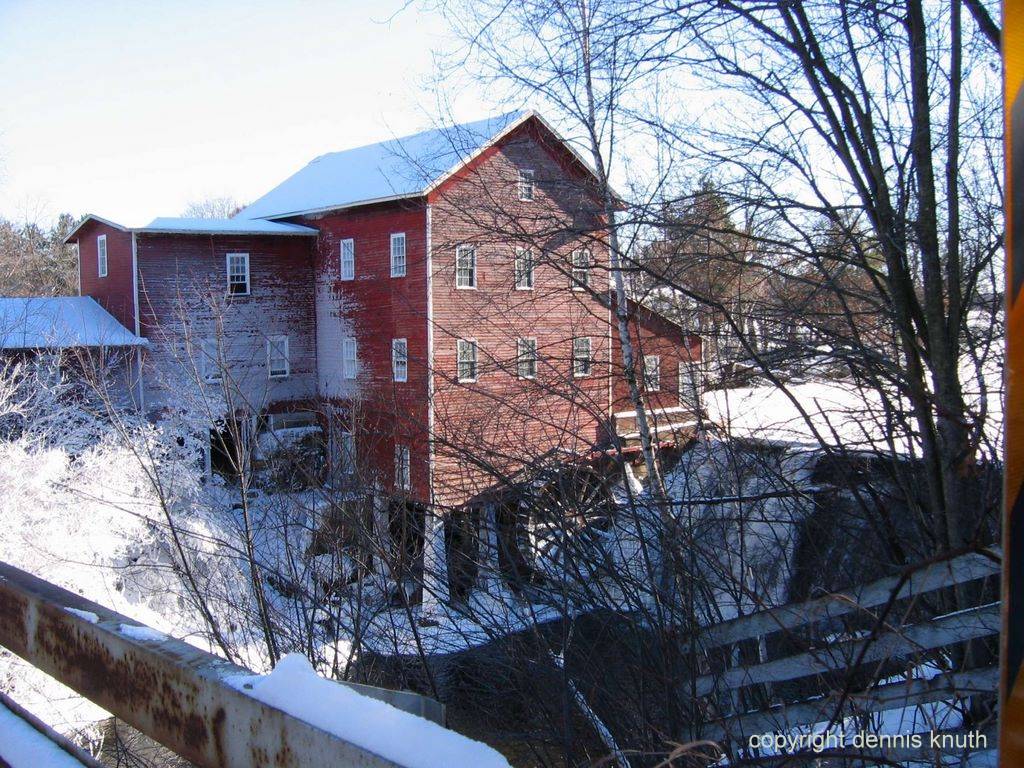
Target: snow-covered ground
(92, 515)
(839, 412)
(95, 523)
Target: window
(581, 360)
(465, 267)
(346, 452)
(688, 384)
(209, 360)
(348, 259)
(652, 373)
(349, 359)
(526, 358)
(238, 274)
(277, 357)
(524, 269)
(400, 359)
(402, 473)
(292, 419)
(580, 269)
(526, 185)
(467, 363)
(398, 254)
(101, 255)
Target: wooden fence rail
(961, 570)
(875, 647)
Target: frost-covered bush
(119, 522)
(48, 399)
(291, 458)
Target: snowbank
(406, 739)
(24, 745)
(838, 412)
(844, 414)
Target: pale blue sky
(132, 109)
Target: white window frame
(522, 359)
(652, 373)
(281, 344)
(460, 250)
(102, 263)
(468, 344)
(523, 269)
(527, 179)
(209, 360)
(403, 468)
(580, 274)
(400, 359)
(349, 362)
(347, 259)
(577, 356)
(398, 256)
(290, 419)
(248, 277)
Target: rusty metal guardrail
(169, 690)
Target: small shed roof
(184, 226)
(60, 322)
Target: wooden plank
(953, 628)
(885, 697)
(957, 571)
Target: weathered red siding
(182, 293)
(376, 308)
(501, 420)
(652, 334)
(115, 291)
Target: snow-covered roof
(185, 226)
(410, 166)
(388, 170)
(60, 322)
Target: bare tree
(223, 207)
(34, 260)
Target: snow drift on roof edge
(187, 225)
(395, 168)
(60, 322)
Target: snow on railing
(210, 711)
(27, 742)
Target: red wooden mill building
(439, 303)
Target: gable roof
(60, 322)
(635, 306)
(72, 236)
(411, 166)
(389, 170)
(186, 226)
